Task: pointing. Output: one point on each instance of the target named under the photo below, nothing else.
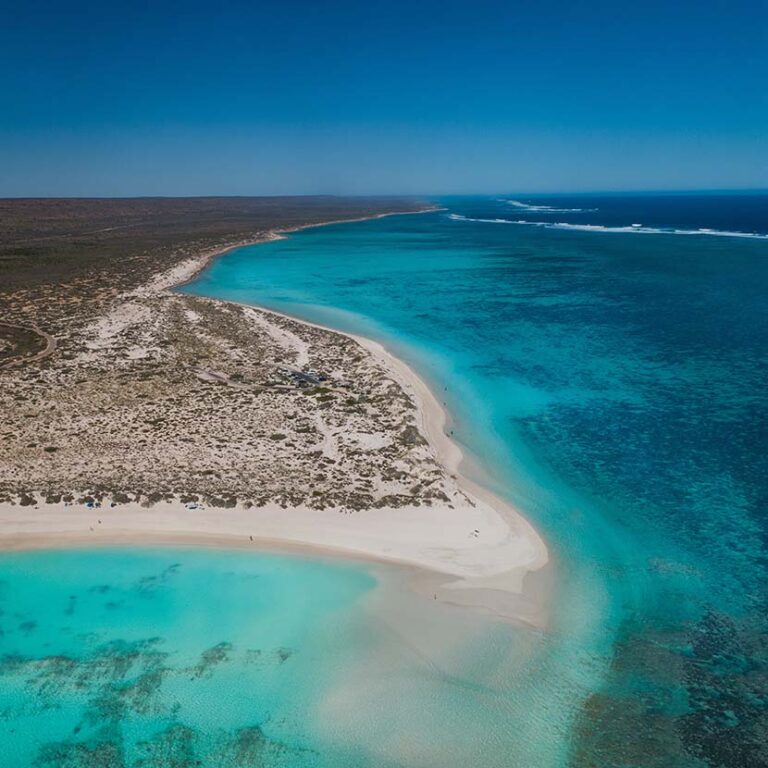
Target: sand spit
(175, 419)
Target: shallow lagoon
(155, 657)
(114, 657)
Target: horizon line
(403, 195)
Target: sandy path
(50, 346)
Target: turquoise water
(128, 658)
(115, 658)
(611, 383)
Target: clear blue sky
(127, 98)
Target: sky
(420, 97)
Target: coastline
(281, 234)
(523, 589)
(483, 555)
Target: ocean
(603, 360)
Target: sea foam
(631, 229)
(545, 208)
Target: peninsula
(135, 414)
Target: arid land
(131, 413)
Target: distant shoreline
(281, 234)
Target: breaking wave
(631, 229)
(545, 208)
(459, 217)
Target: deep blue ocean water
(612, 383)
